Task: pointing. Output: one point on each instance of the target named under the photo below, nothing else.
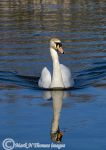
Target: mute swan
(61, 76)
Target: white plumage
(61, 77)
(45, 79)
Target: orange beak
(60, 49)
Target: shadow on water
(14, 78)
(88, 77)
(83, 78)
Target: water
(26, 111)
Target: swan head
(56, 44)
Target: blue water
(26, 111)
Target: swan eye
(58, 44)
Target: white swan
(61, 76)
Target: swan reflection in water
(57, 97)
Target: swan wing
(67, 77)
(45, 79)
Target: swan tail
(45, 79)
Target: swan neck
(57, 80)
(54, 55)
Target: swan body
(61, 76)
